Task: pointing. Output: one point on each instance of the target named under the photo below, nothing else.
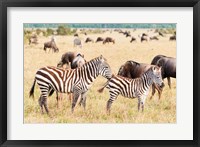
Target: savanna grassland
(123, 110)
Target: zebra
(133, 88)
(76, 81)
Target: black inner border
(4, 4)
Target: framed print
(77, 73)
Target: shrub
(49, 32)
(38, 31)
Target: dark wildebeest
(144, 38)
(132, 69)
(128, 35)
(154, 38)
(75, 35)
(77, 42)
(99, 39)
(68, 58)
(161, 34)
(89, 40)
(76, 60)
(144, 34)
(168, 65)
(133, 39)
(51, 45)
(172, 38)
(109, 39)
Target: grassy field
(123, 110)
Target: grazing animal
(161, 34)
(133, 39)
(89, 40)
(128, 35)
(132, 69)
(99, 39)
(144, 34)
(77, 42)
(171, 38)
(133, 88)
(144, 38)
(109, 39)
(168, 65)
(154, 38)
(67, 58)
(75, 35)
(51, 45)
(76, 81)
(33, 39)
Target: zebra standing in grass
(133, 88)
(76, 81)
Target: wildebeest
(51, 45)
(33, 39)
(154, 38)
(109, 39)
(168, 65)
(172, 38)
(161, 34)
(133, 69)
(89, 40)
(76, 35)
(133, 39)
(99, 39)
(144, 38)
(68, 58)
(77, 42)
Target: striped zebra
(76, 81)
(133, 88)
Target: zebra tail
(101, 89)
(31, 93)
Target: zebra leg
(44, 101)
(113, 96)
(40, 103)
(76, 95)
(83, 100)
(169, 82)
(153, 90)
(141, 102)
(58, 98)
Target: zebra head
(157, 78)
(104, 68)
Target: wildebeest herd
(74, 74)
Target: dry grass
(123, 110)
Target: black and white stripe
(133, 88)
(76, 81)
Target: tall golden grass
(123, 110)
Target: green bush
(38, 31)
(49, 32)
(61, 30)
